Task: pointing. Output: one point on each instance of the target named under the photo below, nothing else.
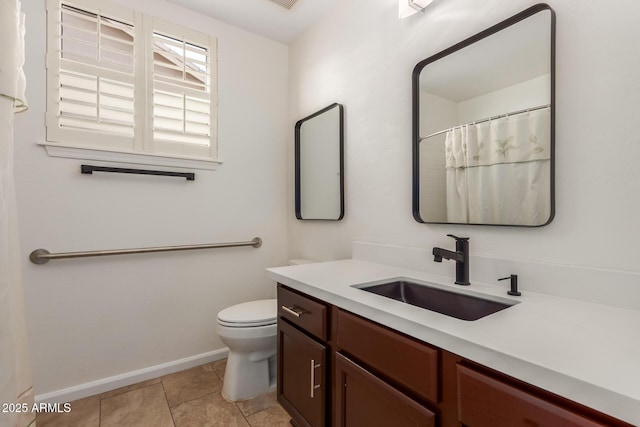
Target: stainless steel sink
(461, 306)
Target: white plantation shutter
(91, 76)
(122, 82)
(96, 73)
(182, 91)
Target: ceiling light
(287, 4)
(407, 8)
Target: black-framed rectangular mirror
(319, 165)
(483, 126)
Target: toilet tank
(299, 261)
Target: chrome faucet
(460, 256)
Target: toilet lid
(252, 313)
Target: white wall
(436, 114)
(94, 318)
(361, 55)
(531, 93)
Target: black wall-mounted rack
(89, 169)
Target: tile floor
(189, 398)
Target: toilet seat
(250, 314)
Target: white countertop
(586, 352)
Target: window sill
(75, 152)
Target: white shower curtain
(498, 171)
(16, 391)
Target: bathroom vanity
(350, 358)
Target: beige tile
(191, 384)
(219, 367)
(208, 411)
(251, 406)
(84, 413)
(142, 407)
(275, 416)
(129, 388)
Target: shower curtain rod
(42, 256)
(513, 113)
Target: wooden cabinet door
(362, 399)
(302, 376)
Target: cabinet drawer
(403, 361)
(484, 401)
(303, 312)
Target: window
(120, 81)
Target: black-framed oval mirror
(483, 126)
(319, 165)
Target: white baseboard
(111, 383)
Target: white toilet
(249, 330)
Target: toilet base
(245, 377)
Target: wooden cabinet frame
(435, 388)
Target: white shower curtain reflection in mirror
(15, 378)
(497, 172)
